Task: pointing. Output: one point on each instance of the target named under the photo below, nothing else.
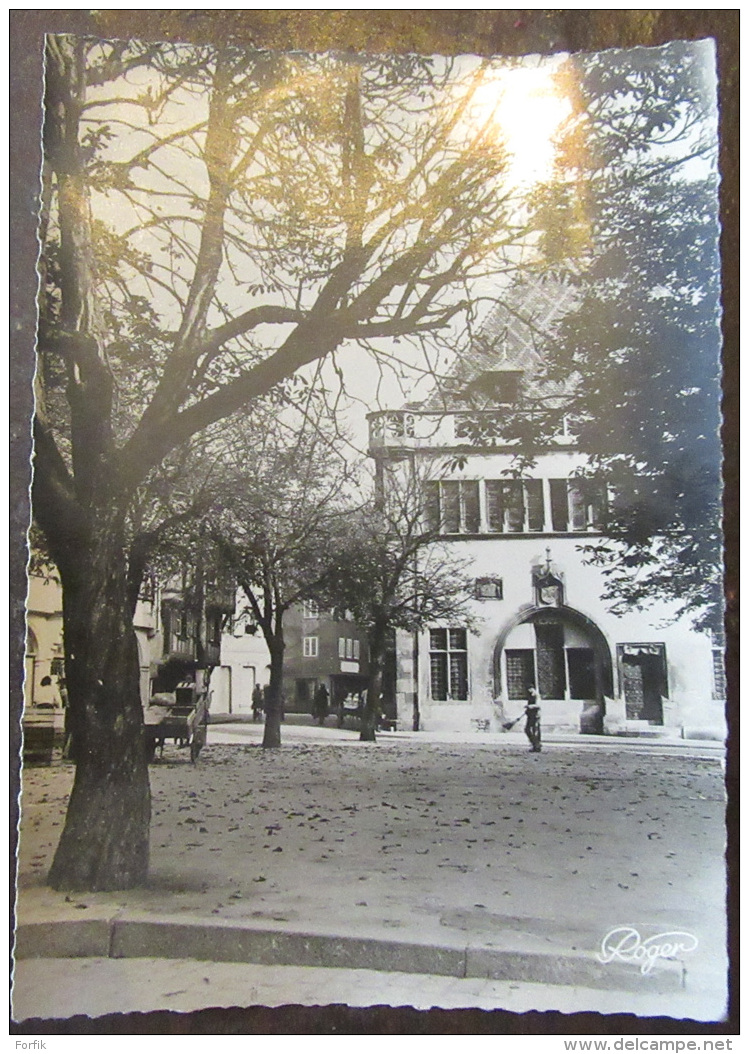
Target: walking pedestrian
(257, 702)
(533, 720)
(320, 704)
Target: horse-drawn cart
(181, 715)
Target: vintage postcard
(375, 649)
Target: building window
(452, 506)
(719, 674)
(504, 505)
(357, 649)
(448, 664)
(488, 589)
(186, 624)
(576, 505)
(309, 647)
(521, 672)
(514, 505)
(348, 648)
(718, 645)
(310, 609)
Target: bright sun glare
(526, 108)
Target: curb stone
(120, 938)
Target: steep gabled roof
(511, 340)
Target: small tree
(392, 572)
(281, 514)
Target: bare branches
(270, 210)
(381, 208)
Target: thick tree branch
(55, 507)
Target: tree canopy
(644, 337)
(216, 219)
(633, 362)
(281, 509)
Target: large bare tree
(214, 221)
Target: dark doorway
(304, 689)
(581, 669)
(550, 660)
(644, 682)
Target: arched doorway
(565, 656)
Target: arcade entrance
(565, 656)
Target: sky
(518, 102)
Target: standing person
(320, 704)
(533, 720)
(67, 732)
(257, 702)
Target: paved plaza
(463, 871)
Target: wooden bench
(38, 739)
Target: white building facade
(539, 616)
(245, 663)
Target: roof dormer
(496, 386)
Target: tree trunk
(274, 695)
(373, 705)
(104, 844)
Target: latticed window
(448, 664)
(719, 674)
(520, 672)
(514, 505)
(576, 505)
(452, 506)
(534, 504)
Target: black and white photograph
(375, 648)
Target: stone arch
(586, 672)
